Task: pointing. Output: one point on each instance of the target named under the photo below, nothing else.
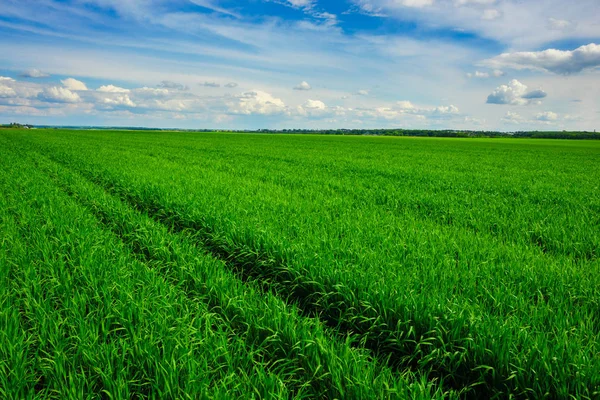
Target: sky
(504, 65)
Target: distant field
(189, 265)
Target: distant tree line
(444, 133)
(16, 125)
(558, 135)
(580, 135)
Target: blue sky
(459, 64)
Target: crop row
(523, 193)
(102, 299)
(480, 313)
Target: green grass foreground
(210, 265)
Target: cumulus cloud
(172, 85)
(451, 109)
(314, 104)
(73, 84)
(112, 89)
(173, 104)
(551, 60)
(57, 94)
(6, 91)
(547, 116)
(6, 79)
(303, 86)
(256, 102)
(231, 85)
(33, 73)
(402, 109)
(119, 100)
(363, 92)
(544, 118)
(315, 108)
(151, 92)
(210, 84)
(509, 94)
(147, 101)
(515, 93)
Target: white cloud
(57, 94)
(425, 71)
(363, 92)
(34, 73)
(303, 86)
(6, 79)
(515, 93)
(178, 105)
(151, 92)
(484, 75)
(459, 3)
(478, 74)
(546, 116)
(451, 109)
(310, 8)
(377, 7)
(211, 6)
(315, 108)
(112, 89)
(512, 117)
(415, 3)
(119, 100)
(552, 60)
(210, 84)
(569, 117)
(367, 7)
(256, 102)
(559, 24)
(407, 112)
(405, 105)
(490, 15)
(73, 84)
(541, 118)
(301, 3)
(6, 91)
(518, 24)
(314, 104)
(402, 110)
(172, 85)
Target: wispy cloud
(33, 73)
(224, 62)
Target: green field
(212, 265)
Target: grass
(425, 267)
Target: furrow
(272, 328)
(405, 340)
